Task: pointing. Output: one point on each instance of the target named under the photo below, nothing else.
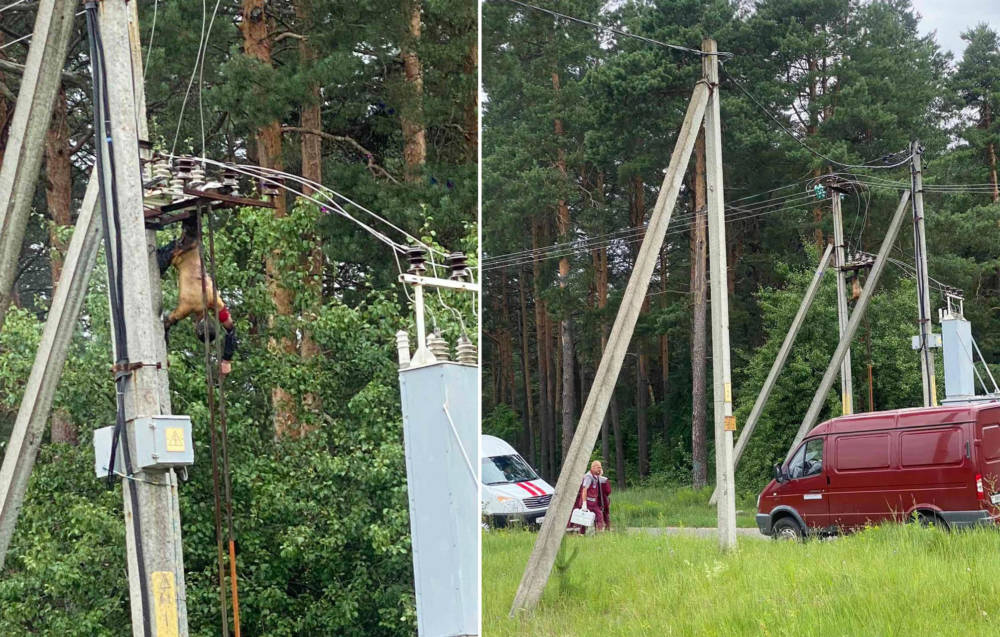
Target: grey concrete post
(852, 326)
(160, 539)
(539, 566)
(722, 389)
(846, 386)
(923, 284)
(36, 403)
(25, 143)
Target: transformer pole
(152, 522)
(923, 282)
(846, 389)
(722, 389)
(826, 384)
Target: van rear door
(989, 461)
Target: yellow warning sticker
(727, 392)
(730, 423)
(165, 604)
(175, 438)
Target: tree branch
(342, 139)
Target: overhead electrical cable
(625, 34)
(795, 137)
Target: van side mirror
(779, 476)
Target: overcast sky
(951, 17)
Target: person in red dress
(595, 496)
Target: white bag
(583, 518)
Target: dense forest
(377, 100)
(578, 126)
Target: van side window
(807, 461)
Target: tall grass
(894, 580)
(672, 506)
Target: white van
(511, 488)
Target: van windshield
(507, 469)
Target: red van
(936, 464)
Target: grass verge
(671, 506)
(894, 580)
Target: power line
(626, 34)
(25, 37)
(815, 152)
(630, 233)
(12, 5)
(686, 223)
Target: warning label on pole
(165, 604)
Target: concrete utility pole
(779, 362)
(923, 284)
(32, 116)
(852, 326)
(846, 388)
(156, 579)
(722, 389)
(36, 403)
(536, 574)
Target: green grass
(895, 580)
(670, 506)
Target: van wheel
(928, 519)
(787, 529)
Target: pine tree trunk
(641, 415)
(529, 408)
(257, 40)
(64, 430)
(565, 328)
(699, 311)
(551, 343)
(991, 151)
(58, 184)
(471, 123)
(543, 365)
(414, 135)
(312, 168)
(664, 353)
(600, 257)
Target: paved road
(695, 531)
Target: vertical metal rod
(722, 391)
(543, 556)
(418, 305)
(846, 385)
(819, 398)
(923, 283)
(779, 362)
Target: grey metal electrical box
(161, 442)
(441, 436)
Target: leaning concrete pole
(779, 362)
(25, 143)
(722, 389)
(36, 403)
(155, 565)
(536, 574)
(852, 326)
(843, 314)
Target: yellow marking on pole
(175, 439)
(727, 392)
(165, 604)
(934, 401)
